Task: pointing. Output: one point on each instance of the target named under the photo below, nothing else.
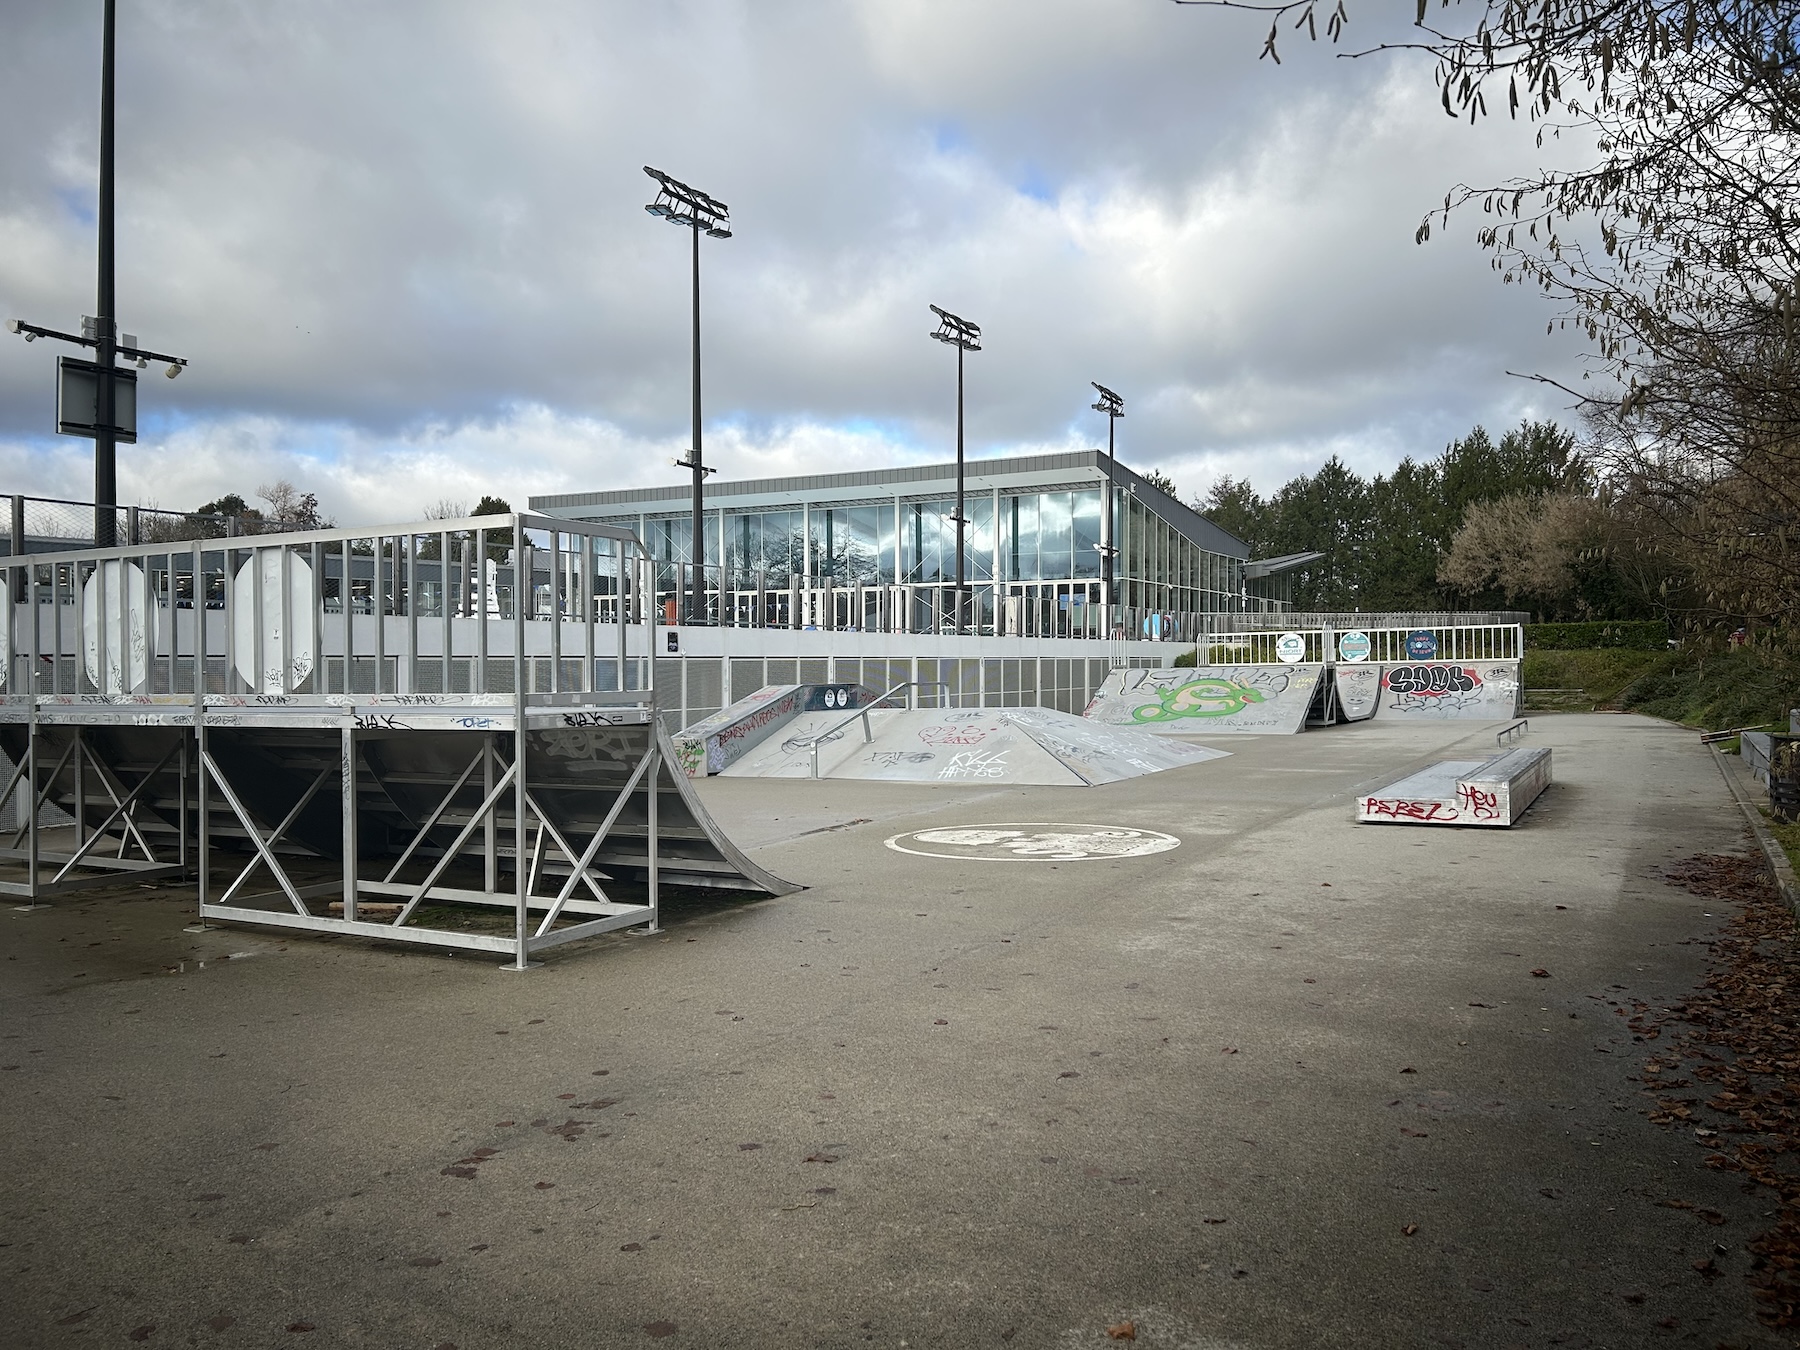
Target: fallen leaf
(632, 1247)
(1409, 1230)
(939, 1022)
(1414, 1134)
(544, 1186)
(748, 1148)
(423, 1261)
(658, 1330)
(1634, 1299)
(1708, 1268)
(1123, 1331)
(1228, 1050)
(301, 1326)
(821, 1157)
(73, 1318)
(140, 1333)
(1550, 1193)
(1068, 1073)
(1541, 973)
(1212, 1221)
(1409, 1069)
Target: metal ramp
(1270, 699)
(443, 733)
(1485, 792)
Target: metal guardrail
(863, 712)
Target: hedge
(1650, 635)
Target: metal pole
(106, 487)
(1106, 534)
(959, 486)
(697, 611)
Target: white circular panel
(1036, 842)
(287, 640)
(129, 631)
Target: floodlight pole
(965, 337)
(1114, 408)
(106, 468)
(680, 204)
(697, 606)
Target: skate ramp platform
(1210, 700)
(1447, 690)
(1025, 746)
(1486, 792)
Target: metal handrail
(863, 712)
(1708, 737)
(1518, 728)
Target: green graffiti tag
(1209, 696)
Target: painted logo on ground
(1034, 842)
(1209, 696)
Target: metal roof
(1022, 473)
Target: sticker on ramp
(1035, 842)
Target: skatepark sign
(1421, 645)
(1290, 648)
(1354, 647)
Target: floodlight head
(172, 371)
(12, 325)
(1109, 403)
(718, 232)
(956, 331)
(680, 204)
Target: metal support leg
(352, 840)
(652, 779)
(521, 872)
(203, 815)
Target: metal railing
(813, 744)
(479, 606)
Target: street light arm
(31, 331)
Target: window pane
(1086, 523)
(1055, 536)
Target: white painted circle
(1032, 842)
(130, 631)
(1290, 647)
(293, 648)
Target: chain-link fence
(50, 524)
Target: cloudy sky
(404, 245)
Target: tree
(1523, 546)
(492, 506)
(1688, 300)
(291, 508)
(1156, 478)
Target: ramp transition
(1027, 746)
(1445, 690)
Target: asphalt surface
(1291, 1084)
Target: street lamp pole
(680, 204)
(106, 468)
(965, 337)
(100, 333)
(1114, 408)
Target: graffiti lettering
(1209, 696)
(1432, 681)
(963, 735)
(1482, 805)
(1404, 810)
(380, 722)
(891, 759)
(590, 719)
(755, 721)
(974, 764)
(476, 723)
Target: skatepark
(1288, 1076)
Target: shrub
(1651, 635)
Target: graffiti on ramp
(1207, 699)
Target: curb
(1785, 881)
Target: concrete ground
(1292, 1084)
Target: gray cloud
(404, 244)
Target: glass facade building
(878, 549)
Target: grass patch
(1788, 836)
(1708, 689)
(1600, 673)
